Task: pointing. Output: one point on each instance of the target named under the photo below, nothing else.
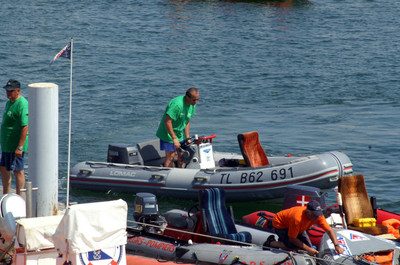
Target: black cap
(11, 85)
(315, 208)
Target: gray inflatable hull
(204, 253)
(356, 245)
(240, 183)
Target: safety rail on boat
(203, 139)
(207, 170)
(107, 164)
(133, 228)
(88, 171)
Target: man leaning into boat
(174, 126)
(291, 225)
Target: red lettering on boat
(136, 240)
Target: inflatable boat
(354, 210)
(164, 249)
(151, 236)
(173, 240)
(263, 219)
(251, 175)
(359, 248)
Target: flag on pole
(66, 52)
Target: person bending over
(291, 225)
(174, 126)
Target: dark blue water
(309, 76)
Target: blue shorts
(168, 146)
(283, 237)
(9, 161)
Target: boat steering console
(192, 146)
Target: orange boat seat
(252, 151)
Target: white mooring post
(43, 147)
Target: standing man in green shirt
(14, 137)
(174, 126)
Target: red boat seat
(356, 204)
(252, 151)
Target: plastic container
(364, 222)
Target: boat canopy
(92, 226)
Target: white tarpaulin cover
(33, 233)
(92, 226)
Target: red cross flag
(302, 200)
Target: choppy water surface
(309, 76)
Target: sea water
(309, 76)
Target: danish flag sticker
(302, 200)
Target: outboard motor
(147, 215)
(12, 208)
(123, 154)
(299, 195)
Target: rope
(284, 260)
(192, 233)
(4, 253)
(355, 257)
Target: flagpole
(70, 115)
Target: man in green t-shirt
(174, 126)
(14, 137)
